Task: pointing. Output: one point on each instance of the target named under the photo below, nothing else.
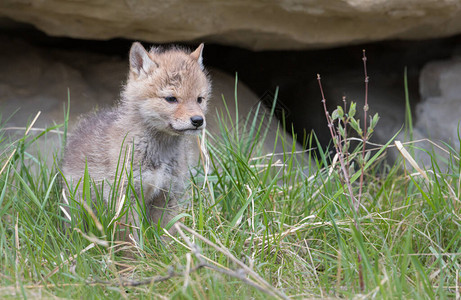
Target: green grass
(287, 218)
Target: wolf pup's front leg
(162, 106)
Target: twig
(268, 289)
(127, 282)
(345, 134)
(365, 137)
(240, 274)
(172, 274)
(188, 247)
(336, 144)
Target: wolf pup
(162, 106)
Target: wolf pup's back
(162, 106)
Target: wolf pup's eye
(171, 99)
(199, 99)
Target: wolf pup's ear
(197, 55)
(140, 62)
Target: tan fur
(159, 131)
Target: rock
(255, 24)
(438, 114)
(41, 78)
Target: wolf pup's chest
(161, 166)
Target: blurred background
(49, 48)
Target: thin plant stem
(336, 141)
(345, 133)
(365, 137)
(343, 165)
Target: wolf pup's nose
(196, 121)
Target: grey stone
(256, 24)
(439, 112)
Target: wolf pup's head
(168, 89)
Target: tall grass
(261, 218)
